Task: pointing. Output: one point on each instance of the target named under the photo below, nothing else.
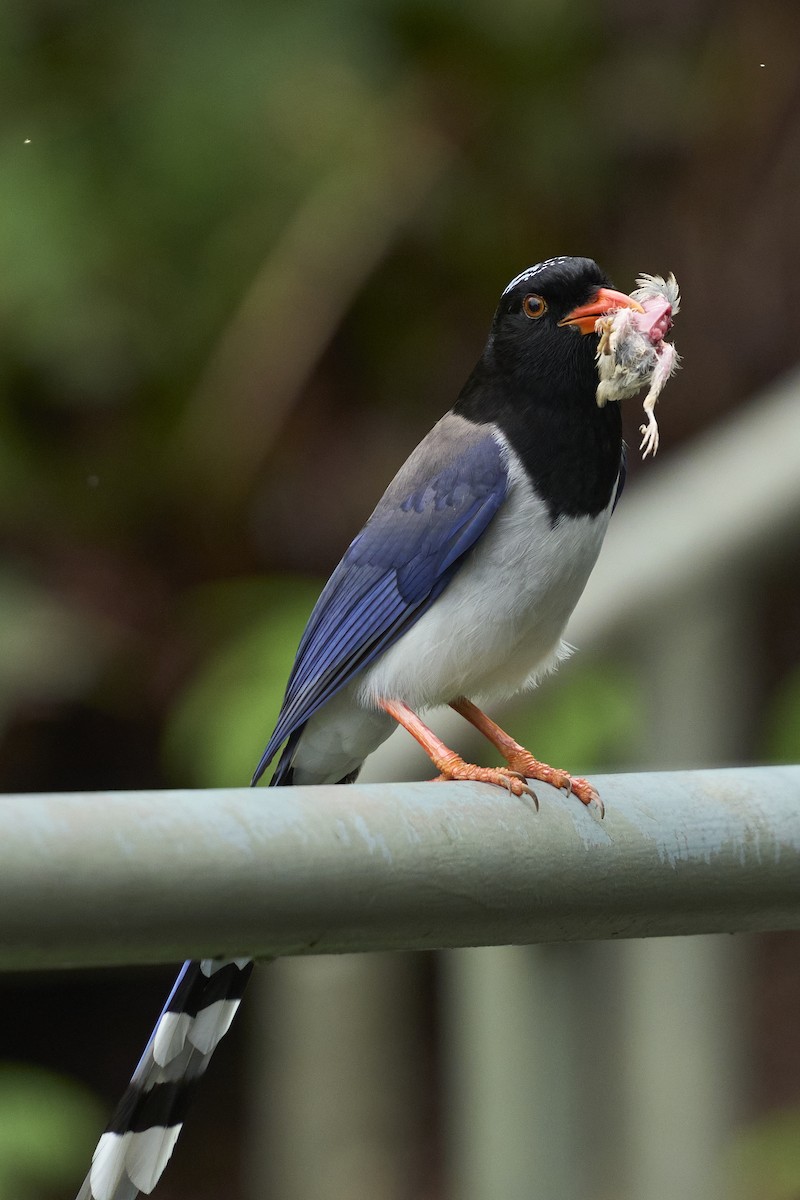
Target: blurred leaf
(783, 722)
(220, 723)
(586, 719)
(765, 1162)
(48, 1126)
(47, 649)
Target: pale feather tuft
(652, 287)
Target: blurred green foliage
(227, 710)
(590, 719)
(765, 1159)
(47, 1130)
(782, 724)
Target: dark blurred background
(248, 254)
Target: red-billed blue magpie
(456, 591)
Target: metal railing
(133, 877)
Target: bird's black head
(545, 315)
(537, 381)
(542, 341)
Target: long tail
(141, 1136)
(136, 1146)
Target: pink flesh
(656, 320)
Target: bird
(457, 592)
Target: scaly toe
(531, 768)
(506, 777)
(587, 794)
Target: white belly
(498, 626)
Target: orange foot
(452, 766)
(522, 760)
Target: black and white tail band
(141, 1136)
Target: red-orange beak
(605, 300)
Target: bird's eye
(534, 307)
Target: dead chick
(633, 354)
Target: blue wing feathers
(392, 572)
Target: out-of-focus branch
(296, 302)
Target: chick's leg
(447, 762)
(521, 760)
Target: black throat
(570, 448)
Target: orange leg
(450, 764)
(521, 760)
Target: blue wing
(430, 516)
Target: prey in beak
(605, 301)
(633, 354)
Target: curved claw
(587, 794)
(526, 788)
(573, 785)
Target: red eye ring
(534, 307)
